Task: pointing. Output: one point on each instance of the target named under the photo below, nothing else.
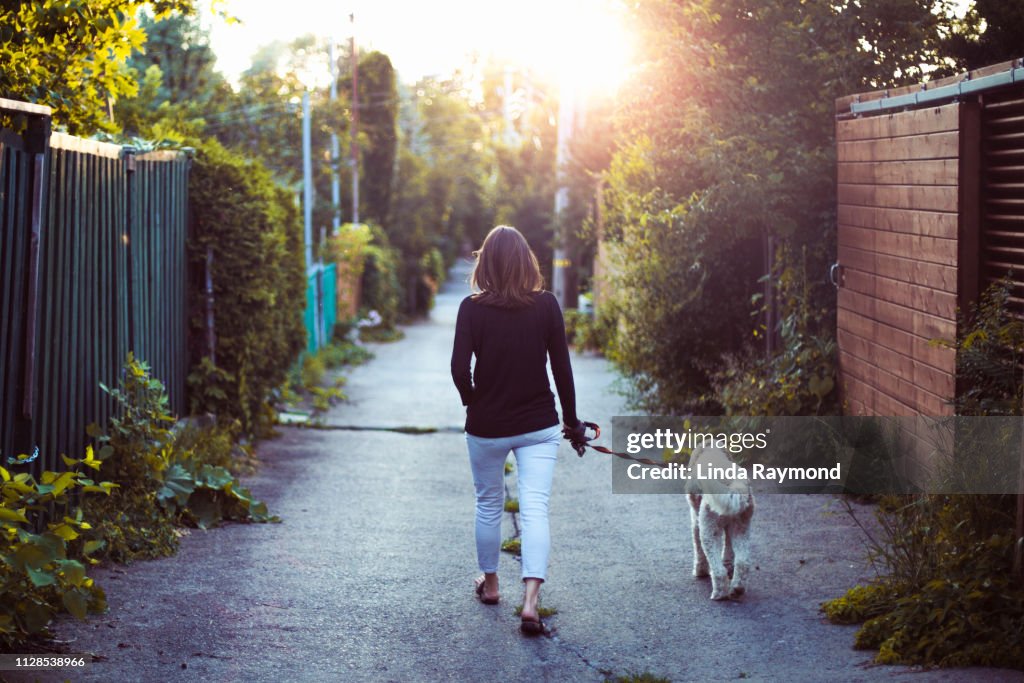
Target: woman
(512, 326)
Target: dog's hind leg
(740, 532)
(728, 556)
(700, 560)
(712, 537)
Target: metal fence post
(129, 167)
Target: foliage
(800, 378)
(441, 183)
(42, 573)
(252, 227)
(726, 139)
(542, 612)
(988, 356)
(947, 595)
(164, 477)
(179, 91)
(378, 115)
(72, 55)
(380, 286)
(988, 33)
(340, 353)
(590, 331)
(643, 677)
(512, 545)
(433, 274)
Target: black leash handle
(581, 447)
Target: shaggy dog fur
(720, 515)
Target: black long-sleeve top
(508, 392)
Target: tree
(990, 32)
(725, 139)
(179, 90)
(72, 55)
(378, 113)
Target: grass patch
(380, 334)
(645, 677)
(543, 612)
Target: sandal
(480, 593)
(533, 627)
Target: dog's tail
(729, 504)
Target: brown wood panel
(933, 301)
(945, 145)
(902, 318)
(903, 392)
(874, 401)
(928, 249)
(939, 357)
(919, 122)
(914, 197)
(932, 275)
(928, 172)
(930, 223)
(931, 379)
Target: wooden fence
(931, 210)
(92, 252)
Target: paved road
(369, 576)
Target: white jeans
(535, 454)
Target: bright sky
(581, 38)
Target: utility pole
(355, 124)
(335, 152)
(307, 181)
(561, 264)
(510, 133)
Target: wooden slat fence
(899, 221)
(110, 276)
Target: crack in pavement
(401, 429)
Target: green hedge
(254, 228)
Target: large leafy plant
(43, 570)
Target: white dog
(720, 514)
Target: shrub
(164, 476)
(800, 378)
(589, 331)
(946, 594)
(252, 226)
(42, 573)
(381, 290)
(432, 275)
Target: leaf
(35, 616)
(76, 602)
(178, 484)
(4, 474)
(205, 508)
(40, 577)
(65, 531)
(8, 515)
(62, 482)
(73, 571)
(92, 546)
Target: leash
(581, 447)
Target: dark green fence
(108, 275)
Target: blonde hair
(506, 271)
